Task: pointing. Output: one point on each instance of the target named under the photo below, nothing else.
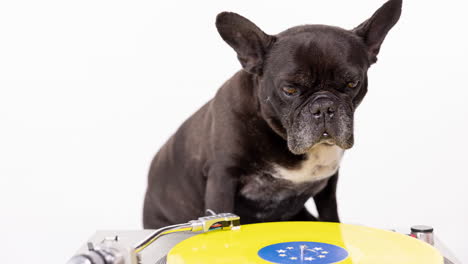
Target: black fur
(221, 157)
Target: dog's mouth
(300, 145)
(327, 139)
(335, 140)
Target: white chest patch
(322, 162)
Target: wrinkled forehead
(318, 54)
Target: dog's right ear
(249, 41)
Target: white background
(89, 90)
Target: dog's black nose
(323, 108)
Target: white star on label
(281, 251)
(293, 258)
(289, 248)
(318, 248)
(282, 255)
(324, 252)
(309, 258)
(321, 256)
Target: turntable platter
(303, 242)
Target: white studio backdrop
(89, 90)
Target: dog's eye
(353, 84)
(290, 90)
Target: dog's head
(310, 78)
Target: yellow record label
(303, 242)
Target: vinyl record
(303, 242)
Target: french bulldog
(274, 134)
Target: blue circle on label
(303, 252)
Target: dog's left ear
(374, 30)
(249, 41)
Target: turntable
(221, 239)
